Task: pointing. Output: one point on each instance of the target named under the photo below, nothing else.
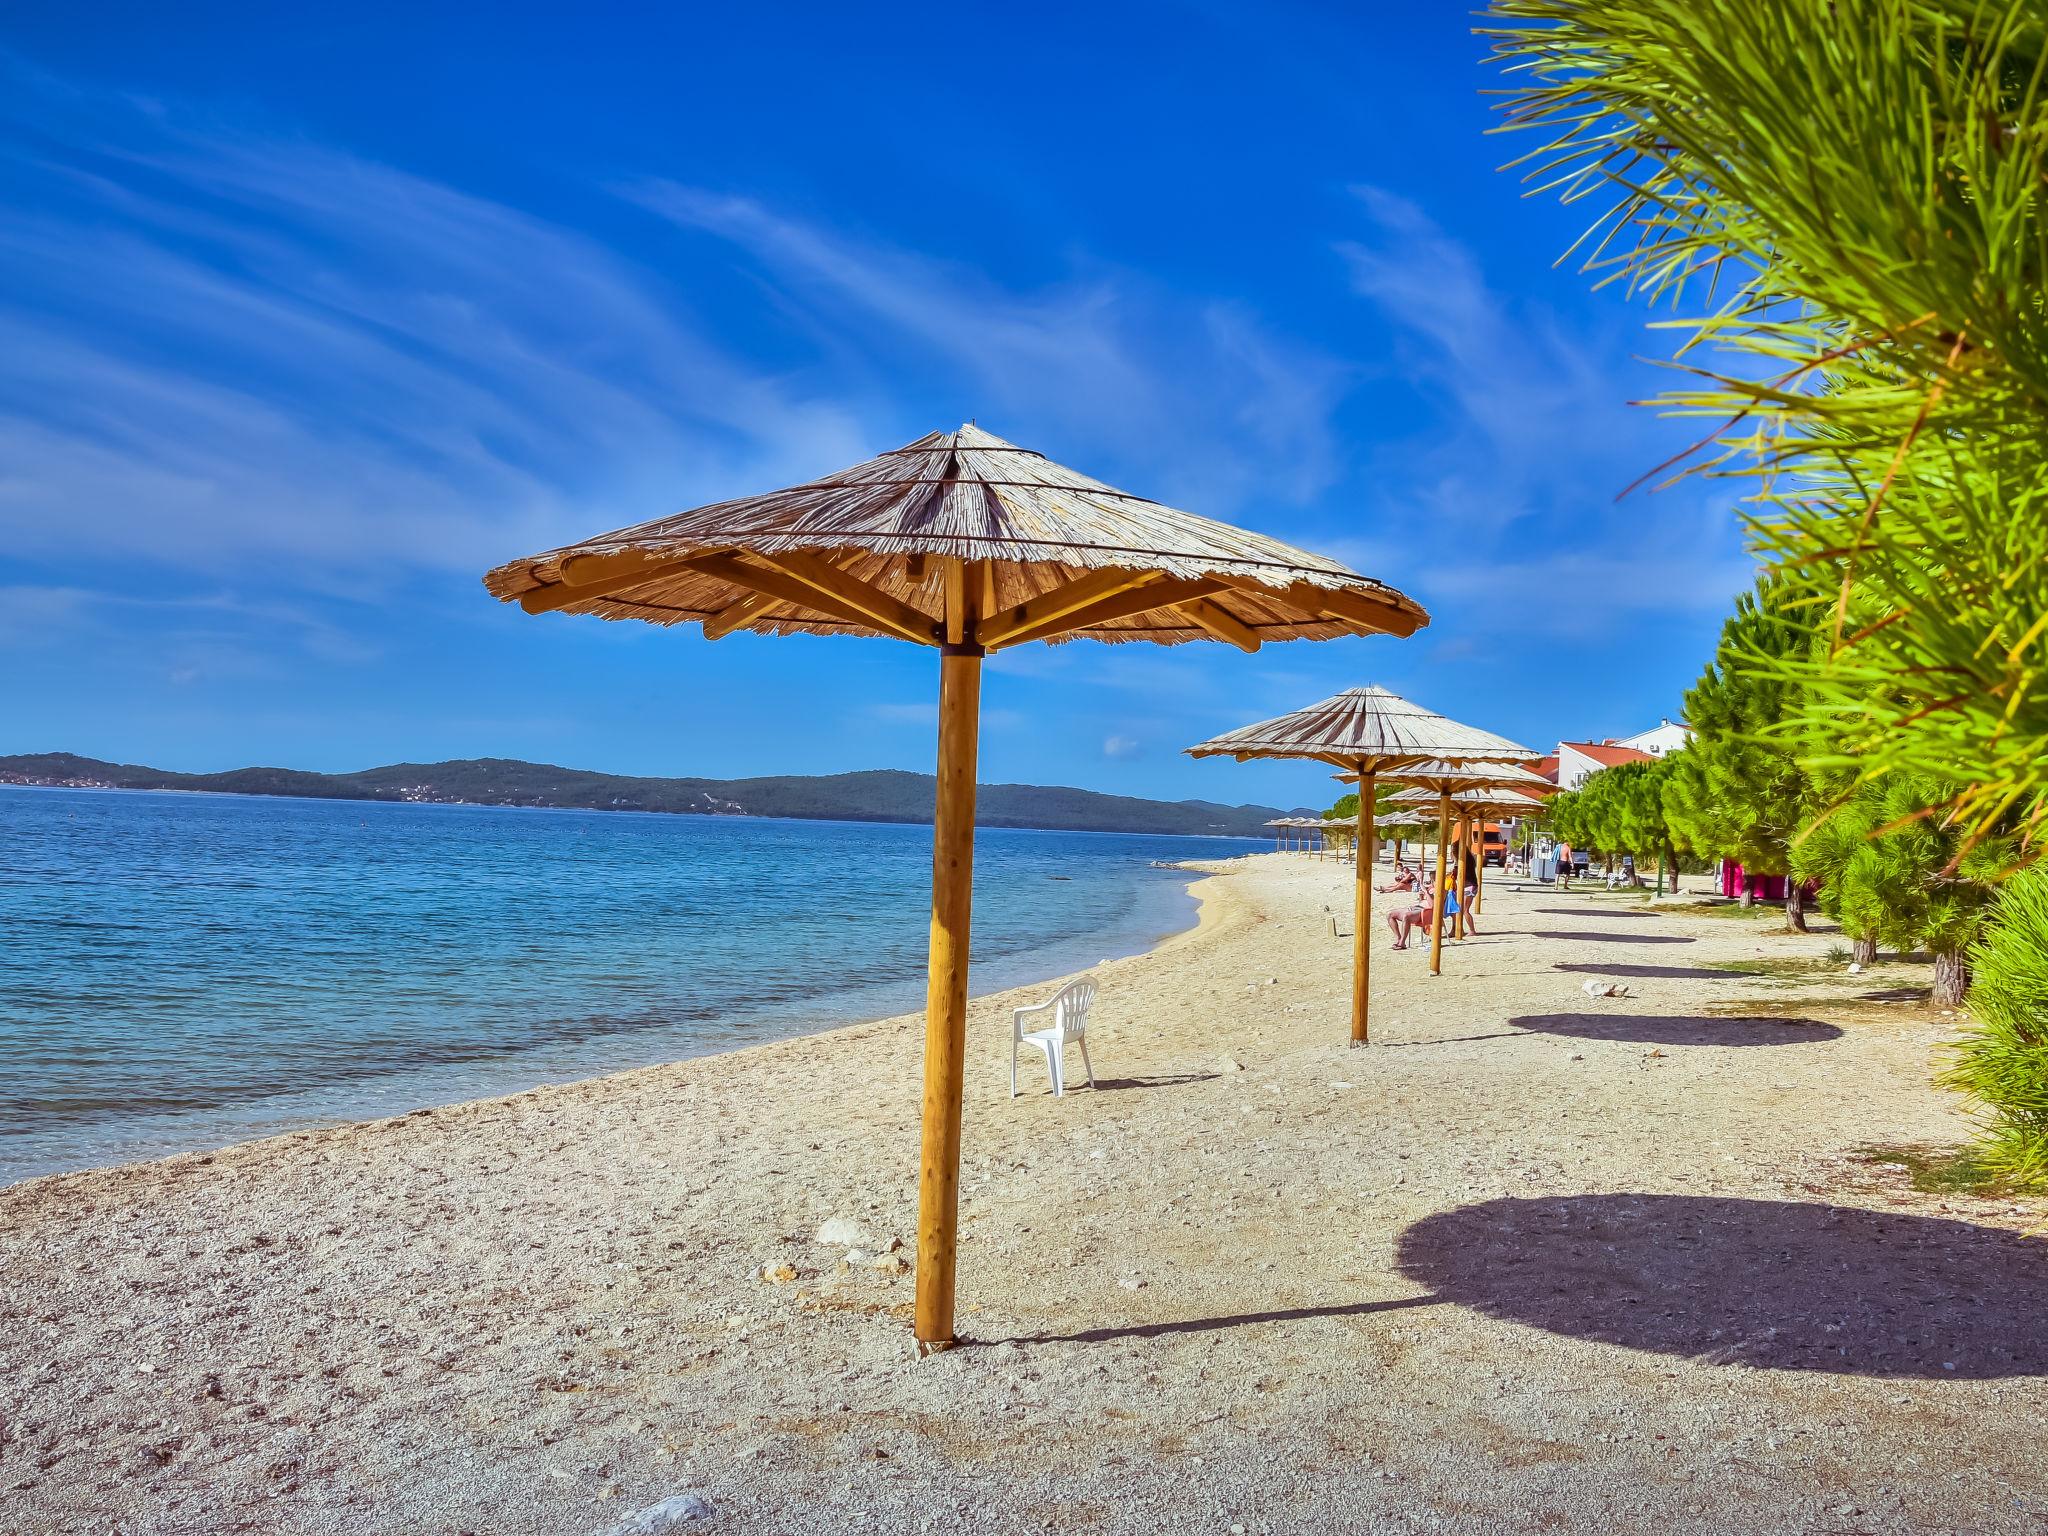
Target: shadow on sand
(1213, 1324)
(1773, 1285)
(1163, 1080)
(1659, 972)
(1608, 936)
(1678, 1029)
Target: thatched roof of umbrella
(967, 543)
(1456, 778)
(868, 551)
(1364, 726)
(1478, 799)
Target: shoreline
(1533, 1259)
(290, 1125)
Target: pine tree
(1833, 853)
(2003, 1060)
(1736, 791)
(1847, 206)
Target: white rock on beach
(842, 1232)
(671, 1514)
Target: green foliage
(1897, 874)
(2003, 1060)
(1345, 809)
(1734, 792)
(1941, 1171)
(1843, 202)
(1835, 853)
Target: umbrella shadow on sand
(1772, 1285)
(1657, 972)
(1678, 1029)
(1608, 936)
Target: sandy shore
(1532, 1262)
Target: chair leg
(1056, 1058)
(1085, 1062)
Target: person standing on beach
(1564, 865)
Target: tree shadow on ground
(1607, 936)
(1773, 1285)
(1660, 972)
(1680, 1029)
(1606, 912)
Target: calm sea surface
(182, 971)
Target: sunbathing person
(1404, 880)
(1404, 922)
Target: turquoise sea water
(181, 971)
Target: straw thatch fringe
(1365, 727)
(893, 523)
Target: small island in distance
(874, 795)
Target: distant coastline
(881, 795)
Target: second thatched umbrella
(968, 544)
(1369, 731)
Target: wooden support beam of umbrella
(1370, 732)
(1442, 781)
(968, 544)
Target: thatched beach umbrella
(968, 544)
(1445, 778)
(1370, 732)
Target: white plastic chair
(1069, 1008)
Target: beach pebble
(671, 1514)
(888, 1264)
(1229, 1064)
(778, 1274)
(842, 1232)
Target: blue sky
(303, 326)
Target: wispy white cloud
(1513, 489)
(222, 349)
(1210, 407)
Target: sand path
(1532, 1262)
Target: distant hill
(879, 795)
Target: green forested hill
(880, 795)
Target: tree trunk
(1748, 892)
(1863, 951)
(1795, 906)
(1951, 979)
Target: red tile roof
(1546, 766)
(1607, 754)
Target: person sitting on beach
(1404, 922)
(1404, 879)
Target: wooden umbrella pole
(1436, 910)
(1458, 878)
(945, 1006)
(1361, 911)
(1479, 869)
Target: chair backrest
(1070, 1007)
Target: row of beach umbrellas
(967, 544)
